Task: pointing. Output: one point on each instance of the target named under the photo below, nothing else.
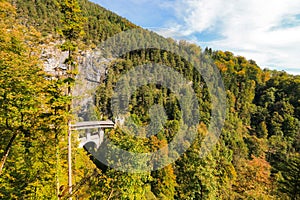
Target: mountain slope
(256, 156)
(45, 16)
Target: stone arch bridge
(94, 131)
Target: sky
(267, 31)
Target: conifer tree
(290, 182)
(72, 31)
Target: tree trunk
(6, 152)
(57, 153)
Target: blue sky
(266, 31)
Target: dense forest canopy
(257, 155)
(45, 16)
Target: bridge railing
(92, 124)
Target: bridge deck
(92, 124)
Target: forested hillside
(257, 155)
(45, 16)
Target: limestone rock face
(53, 57)
(92, 67)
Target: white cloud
(266, 31)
